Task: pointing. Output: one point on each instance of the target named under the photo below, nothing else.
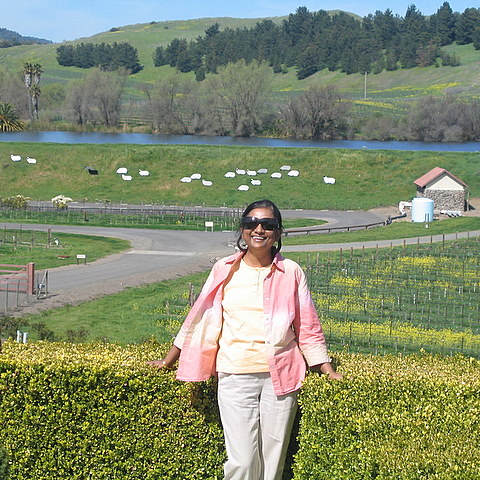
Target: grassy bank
(19, 247)
(390, 232)
(365, 179)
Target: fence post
(30, 278)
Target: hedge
(97, 411)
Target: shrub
(17, 202)
(98, 411)
(4, 468)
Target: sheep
(243, 188)
(127, 178)
(329, 180)
(240, 171)
(207, 183)
(195, 176)
(186, 180)
(285, 167)
(251, 173)
(31, 160)
(15, 158)
(144, 173)
(262, 170)
(230, 175)
(255, 182)
(122, 170)
(293, 173)
(276, 175)
(91, 170)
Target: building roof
(432, 175)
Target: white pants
(257, 425)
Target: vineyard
(400, 299)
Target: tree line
(313, 41)
(235, 101)
(103, 55)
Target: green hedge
(98, 412)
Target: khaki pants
(257, 426)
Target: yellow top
(242, 341)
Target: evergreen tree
(443, 24)
(466, 24)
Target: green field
(365, 179)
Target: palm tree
(31, 75)
(9, 121)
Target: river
(144, 138)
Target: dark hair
(276, 214)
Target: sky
(60, 20)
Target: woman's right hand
(158, 363)
(167, 362)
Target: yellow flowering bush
(97, 411)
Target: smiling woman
(254, 325)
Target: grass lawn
(19, 247)
(364, 179)
(390, 232)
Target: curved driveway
(162, 254)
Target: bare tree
(445, 119)
(13, 92)
(319, 113)
(76, 106)
(239, 94)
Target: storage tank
(422, 209)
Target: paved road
(162, 254)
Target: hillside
(146, 37)
(389, 92)
(14, 38)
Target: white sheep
(262, 170)
(276, 175)
(144, 173)
(240, 171)
(255, 182)
(31, 160)
(195, 176)
(127, 178)
(186, 180)
(293, 173)
(285, 167)
(207, 183)
(16, 158)
(329, 180)
(122, 170)
(230, 175)
(243, 188)
(251, 173)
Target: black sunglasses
(250, 223)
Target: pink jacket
(293, 332)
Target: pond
(143, 138)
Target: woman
(254, 325)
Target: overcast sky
(59, 20)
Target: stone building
(446, 190)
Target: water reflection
(143, 138)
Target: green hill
(389, 92)
(383, 87)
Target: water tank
(422, 209)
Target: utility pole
(365, 87)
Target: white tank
(422, 209)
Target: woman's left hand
(335, 375)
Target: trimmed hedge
(98, 412)
(394, 417)
(4, 467)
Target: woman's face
(260, 237)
